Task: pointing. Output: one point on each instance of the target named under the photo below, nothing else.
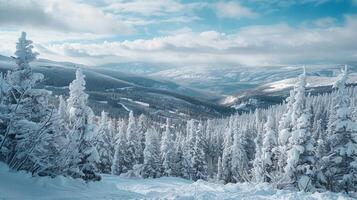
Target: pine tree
(198, 160)
(119, 164)
(240, 162)
(167, 151)
(188, 147)
(143, 125)
(301, 160)
(212, 149)
(227, 154)
(27, 125)
(179, 167)
(133, 142)
(151, 166)
(82, 128)
(340, 169)
(284, 133)
(258, 165)
(268, 155)
(106, 143)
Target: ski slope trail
(21, 186)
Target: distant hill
(117, 92)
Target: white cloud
(70, 31)
(325, 22)
(233, 9)
(145, 12)
(274, 6)
(60, 15)
(145, 7)
(289, 3)
(278, 44)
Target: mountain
(246, 88)
(275, 92)
(237, 79)
(118, 93)
(199, 92)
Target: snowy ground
(22, 186)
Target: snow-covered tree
(133, 142)
(268, 155)
(179, 165)
(212, 147)
(82, 128)
(119, 164)
(151, 166)
(258, 165)
(167, 151)
(301, 159)
(188, 146)
(198, 160)
(26, 126)
(284, 133)
(143, 125)
(227, 154)
(22, 78)
(240, 162)
(106, 143)
(340, 168)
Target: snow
(137, 102)
(126, 108)
(228, 100)
(312, 81)
(142, 103)
(20, 185)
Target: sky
(182, 33)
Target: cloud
(325, 22)
(74, 31)
(289, 3)
(59, 15)
(274, 6)
(145, 12)
(278, 44)
(146, 8)
(233, 10)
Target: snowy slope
(132, 92)
(312, 81)
(22, 186)
(236, 79)
(281, 88)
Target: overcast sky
(185, 33)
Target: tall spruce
(340, 168)
(151, 166)
(27, 128)
(83, 129)
(167, 150)
(301, 160)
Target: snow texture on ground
(20, 185)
